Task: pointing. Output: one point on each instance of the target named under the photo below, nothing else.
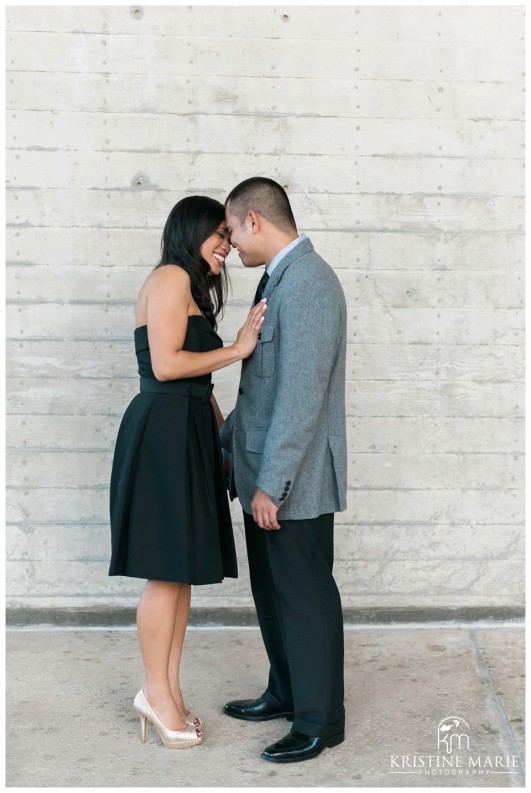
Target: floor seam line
(505, 725)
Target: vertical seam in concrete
(505, 725)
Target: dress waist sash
(180, 387)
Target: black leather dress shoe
(295, 746)
(255, 710)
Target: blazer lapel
(303, 247)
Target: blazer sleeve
(309, 331)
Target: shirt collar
(280, 255)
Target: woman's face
(215, 248)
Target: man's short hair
(264, 196)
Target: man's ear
(253, 220)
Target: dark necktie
(260, 289)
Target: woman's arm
(217, 411)
(168, 302)
(227, 457)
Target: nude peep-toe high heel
(172, 739)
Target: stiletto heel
(143, 728)
(172, 739)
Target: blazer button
(240, 390)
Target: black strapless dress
(170, 517)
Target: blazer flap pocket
(267, 332)
(255, 440)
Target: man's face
(243, 240)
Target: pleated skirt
(170, 516)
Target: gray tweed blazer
(287, 431)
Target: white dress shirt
(280, 255)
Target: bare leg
(181, 621)
(155, 620)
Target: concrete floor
(70, 721)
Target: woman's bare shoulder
(170, 276)
(161, 283)
(169, 272)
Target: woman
(170, 519)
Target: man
(288, 441)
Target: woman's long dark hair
(191, 221)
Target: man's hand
(264, 511)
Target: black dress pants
(299, 612)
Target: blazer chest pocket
(267, 356)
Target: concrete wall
(398, 133)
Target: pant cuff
(316, 730)
(268, 697)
